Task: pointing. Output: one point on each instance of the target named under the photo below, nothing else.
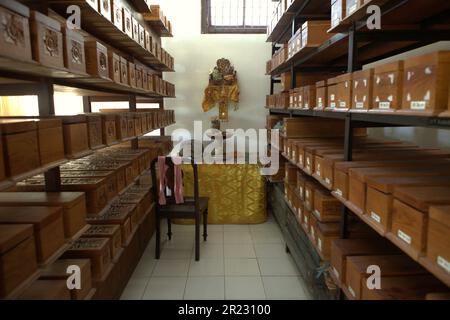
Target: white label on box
(339, 192)
(306, 219)
(327, 181)
(317, 213)
(312, 232)
(299, 211)
(307, 194)
(332, 97)
(352, 292)
(418, 105)
(443, 263)
(336, 273)
(404, 236)
(308, 161)
(384, 105)
(359, 105)
(293, 154)
(288, 150)
(319, 244)
(375, 217)
(301, 191)
(333, 105)
(300, 159)
(343, 104)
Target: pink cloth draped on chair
(178, 180)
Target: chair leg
(197, 238)
(205, 225)
(158, 237)
(169, 228)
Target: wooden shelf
(141, 6)
(158, 21)
(100, 27)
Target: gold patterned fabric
(236, 192)
(221, 95)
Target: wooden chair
(193, 208)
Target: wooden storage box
(410, 216)
(130, 202)
(326, 207)
(116, 215)
(47, 223)
(131, 125)
(341, 249)
(47, 40)
(141, 35)
(95, 189)
(344, 92)
(388, 87)
(75, 130)
(58, 271)
(338, 12)
(16, 42)
(309, 97)
(352, 6)
(379, 202)
(97, 59)
(94, 126)
(132, 75)
(135, 25)
(127, 22)
(390, 266)
(139, 76)
(114, 66)
(148, 41)
(110, 177)
(111, 231)
(16, 247)
(362, 90)
(109, 135)
(332, 97)
(124, 77)
(73, 204)
(50, 139)
(321, 95)
(426, 84)
(74, 52)
(314, 33)
(117, 14)
(97, 250)
(105, 9)
(122, 126)
(438, 242)
(47, 290)
(20, 146)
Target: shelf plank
(141, 6)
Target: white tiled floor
(237, 262)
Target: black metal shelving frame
(352, 38)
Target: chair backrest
(170, 182)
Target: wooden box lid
(13, 234)
(46, 20)
(69, 183)
(47, 290)
(440, 214)
(108, 116)
(93, 117)
(86, 174)
(16, 7)
(48, 123)
(363, 74)
(9, 126)
(430, 59)
(329, 228)
(89, 245)
(422, 197)
(391, 265)
(58, 269)
(344, 77)
(387, 184)
(344, 166)
(321, 84)
(396, 66)
(362, 173)
(103, 230)
(96, 45)
(114, 214)
(61, 199)
(80, 118)
(39, 217)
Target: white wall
(196, 54)
(425, 137)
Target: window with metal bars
(236, 16)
